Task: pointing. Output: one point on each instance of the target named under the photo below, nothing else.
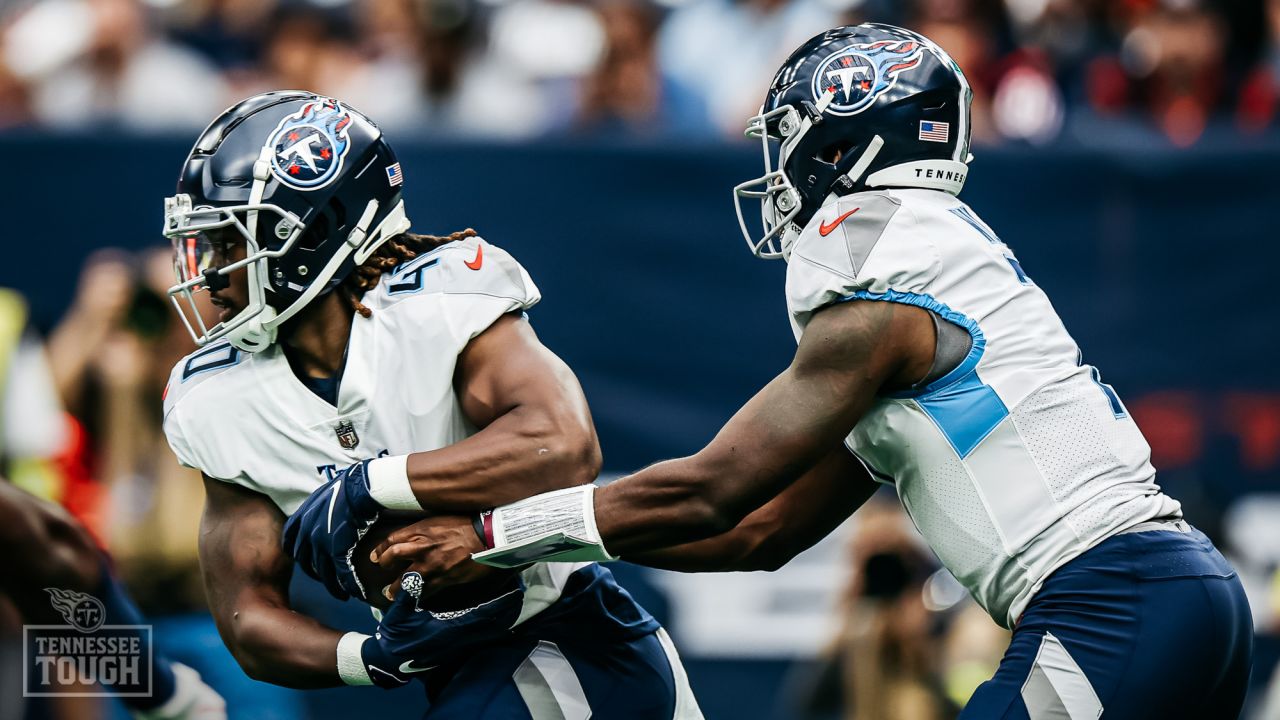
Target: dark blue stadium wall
(1162, 264)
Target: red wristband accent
(486, 519)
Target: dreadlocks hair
(394, 252)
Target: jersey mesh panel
(1064, 428)
(947, 506)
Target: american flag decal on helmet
(933, 131)
(394, 176)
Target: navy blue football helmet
(857, 107)
(309, 184)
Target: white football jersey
(245, 418)
(1020, 458)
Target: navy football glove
(383, 668)
(411, 640)
(322, 533)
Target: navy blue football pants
(568, 679)
(1145, 625)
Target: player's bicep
(507, 367)
(849, 353)
(240, 554)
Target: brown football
(375, 577)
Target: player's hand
(438, 550)
(411, 640)
(323, 532)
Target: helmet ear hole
(831, 154)
(339, 214)
(315, 235)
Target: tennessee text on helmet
(307, 183)
(854, 108)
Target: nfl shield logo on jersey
(308, 147)
(347, 436)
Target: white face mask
(255, 327)
(188, 229)
(779, 199)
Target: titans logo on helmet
(309, 146)
(861, 73)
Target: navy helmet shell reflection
(861, 73)
(309, 146)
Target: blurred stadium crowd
(1041, 69)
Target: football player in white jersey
(927, 360)
(347, 349)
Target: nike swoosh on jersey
(475, 264)
(407, 667)
(825, 228)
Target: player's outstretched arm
(850, 352)
(536, 431)
(784, 527)
(246, 578)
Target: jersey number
(408, 278)
(218, 356)
(986, 232)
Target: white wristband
(389, 483)
(350, 662)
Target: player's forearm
(521, 453)
(282, 647)
(735, 551)
(787, 525)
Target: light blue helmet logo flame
(308, 147)
(859, 74)
(82, 611)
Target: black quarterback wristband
(478, 524)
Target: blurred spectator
(111, 356)
(92, 61)
(385, 69)
(32, 429)
(727, 51)
(228, 33)
(970, 36)
(1174, 57)
(304, 49)
(626, 91)
(1260, 94)
(901, 646)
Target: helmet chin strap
(262, 330)
(945, 175)
(855, 173)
